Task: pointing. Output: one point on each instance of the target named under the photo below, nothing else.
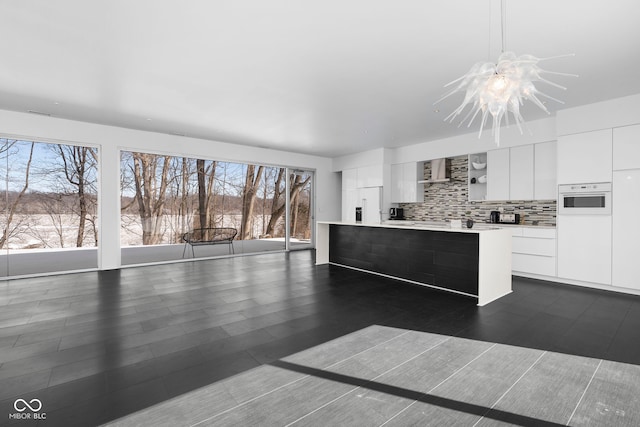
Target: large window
(164, 197)
(48, 208)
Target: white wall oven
(584, 199)
(584, 232)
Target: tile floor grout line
(373, 379)
(396, 415)
(512, 386)
(368, 349)
(250, 400)
(322, 406)
(470, 362)
(584, 392)
(293, 382)
(441, 382)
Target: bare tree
(54, 206)
(11, 206)
(79, 166)
(296, 184)
(184, 196)
(206, 196)
(150, 193)
(277, 203)
(252, 181)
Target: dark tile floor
(93, 347)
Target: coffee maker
(396, 213)
(359, 214)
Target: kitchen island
(475, 262)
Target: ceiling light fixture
(499, 89)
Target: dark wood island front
(476, 263)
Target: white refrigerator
(369, 199)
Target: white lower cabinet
(533, 264)
(533, 250)
(626, 233)
(584, 248)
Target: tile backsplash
(445, 201)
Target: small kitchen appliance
(509, 218)
(494, 217)
(358, 214)
(396, 213)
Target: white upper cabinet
(397, 183)
(404, 182)
(370, 176)
(585, 157)
(521, 173)
(526, 172)
(349, 179)
(626, 148)
(544, 185)
(498, 174)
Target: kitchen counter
(475, 262)
(476, 225)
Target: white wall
(112, 139)
(536, 131)
(357, 160)
(533, 132)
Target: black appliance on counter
(358, 214)
(494, 217)
(396, 213)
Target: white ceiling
(325, 77)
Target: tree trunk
(202, 195)
(210, 202)
(77, 161)
(295, 186)
(277, 206)
(183, 199)
(252, 181)
(12, 209)
(293, 203)
(150, 197)
(81, 153)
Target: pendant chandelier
(500, 89)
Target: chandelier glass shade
(500, 89)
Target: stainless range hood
(440, 171)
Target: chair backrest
(213, 234)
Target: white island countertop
(421, 225)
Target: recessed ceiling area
(326, 77)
